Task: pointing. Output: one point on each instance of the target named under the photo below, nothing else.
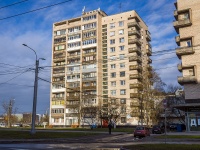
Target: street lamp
(35, 89)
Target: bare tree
(9, 110)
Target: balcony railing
(72, 103)
(134, 41)
(179, 66)
(184, 51)
(72, 97)
(182, 23)
(177, 38)
(134, 95)
(136, 85)
(135, 67)
(89, 54)
(89, 87)
(57, 98)
(134, 24)
(134, 32)
(134, 58)
(135, 49)
(149, 60)
(135, 76)
(134, 104)
(187, 79)
(135, 114)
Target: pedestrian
(110, 127)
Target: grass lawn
(179, 137)
(17, 134)
(163, 147)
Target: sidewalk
(184, 133)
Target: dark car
(141, 131)
(172, 127)
(157, 129)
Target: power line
(35, 10)
(13, 4)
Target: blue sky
(35, 30)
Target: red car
(141, 131)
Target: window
(112, 41)
(89, 26)
(59, 47)
(121, 48)
(123, 101)
(90, 41)
(191, 72)
(112, 25)
(123, 92)
(113, 92)
(121, 40)
(112, 33)
(112, 66)
(113, 83)
(112, 49)
(113, 101)
(60, 32)
(121, 23)
(122, 82)
(189, 43)
(89, 17)
(121, 31)
(122, 65)
(123, 119)
(112, 57)
(113, 74)
(121, 56)
(122, 74)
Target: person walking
(110, 127)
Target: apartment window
(113, 74)
(113, 83)
(90, 41)
(191, 72)
(113, 92)
(112, 25)
(89, 17)
(121, 48)
(123, 101)
(121, 40)
(123, 119)
(112, 33)
(112, 49)
(122, 74)
(189, 43)
(112, 57)
(122, 82)
(60, 32)
(121, 56)
(122, 65)
(73, 37)
(74, 29)
(112, 66)
(123, 92)
(89, 26)
(113, 101)
(121, 31)
(112, 41)
(59, 47)
(121, 23)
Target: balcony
(72, 103)
(135, 114)
(89, 54)
(73, 89)
(134, 24)
(187, 80)
(73, 97)
(182, 23)
(177, 39)
(134, 32)
(72, 114)
(134, 104)
(135, 50)
(89, 87)
(89, 79)
(134, 95)
(88, 62)
(135, 76)
(149, 49)
(73, 57)
(135, 58)
(175, 14)
(136, 85)
(179, 66)
(135, 67)
(57, 98)
(184, 51)
(149, 67)
(149, 60)
(59, 58)
(134, 41)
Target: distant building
(100, 61)
(187, 26)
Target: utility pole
(35, 90)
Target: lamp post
(35, 90)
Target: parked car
(157, 129)
(2, 124)
(172, 127)
(141, 131)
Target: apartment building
(187, 26)
(101, 70)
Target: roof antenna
(83, 10)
